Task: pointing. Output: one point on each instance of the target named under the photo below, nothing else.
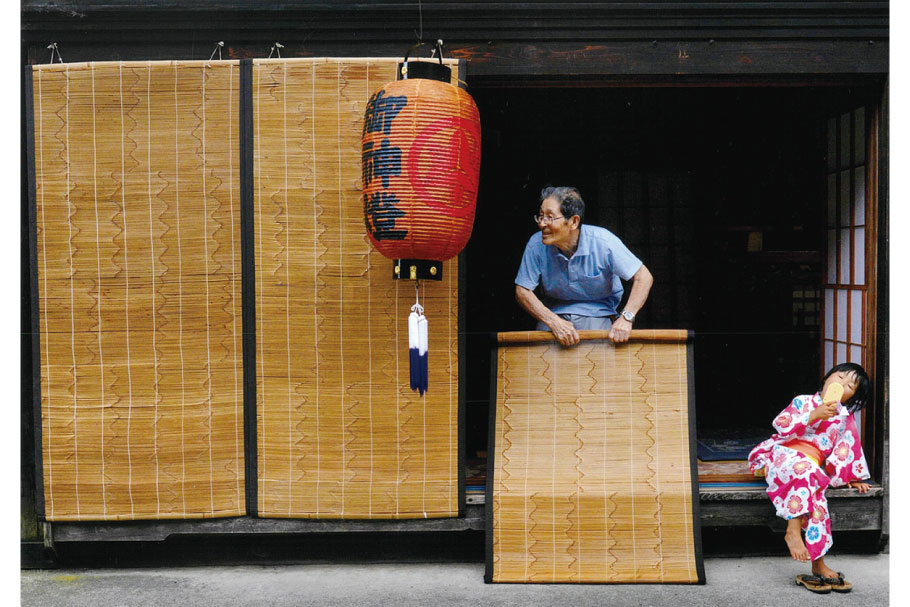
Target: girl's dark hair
(860, 398)
(569, 199)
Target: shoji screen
(848, 269)
(137, 248)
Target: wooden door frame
(876, 277)
(873, 89)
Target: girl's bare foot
(797, 547)
(795, 543)
(820, 568)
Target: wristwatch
(630, 316)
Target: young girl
(817, 444)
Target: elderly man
(579, 267)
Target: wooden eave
(496, 38)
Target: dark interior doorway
(719, 190)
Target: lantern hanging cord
(276, 48)
(218, 47)
(53, 47)
(417, 307)
(420, 16)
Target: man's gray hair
(569, 199)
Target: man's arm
(641, 286)
(562, 329)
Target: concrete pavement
(752, 581)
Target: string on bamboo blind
(592, 469)
(340, 434)
(138, 272)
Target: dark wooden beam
(495, 38)
(719, 508)
(555, 59)
(499, 22)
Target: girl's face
(847, 379)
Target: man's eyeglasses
(538, 219)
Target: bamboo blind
(592, 477)
(138, 250)
(340, 434)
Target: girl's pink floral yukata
(796, 483)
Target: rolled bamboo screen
(340, 434)
(138, 254)
(591, 469)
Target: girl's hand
(861, 487)
(824, 411)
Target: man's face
(557, 231)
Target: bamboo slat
(637, 335)
(592, 476)
(340, 433)
(138, 249)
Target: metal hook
(218, 47)
(53, 47)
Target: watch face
(628, 315)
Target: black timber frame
(519, 43)
(248, 285)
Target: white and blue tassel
(417, 348)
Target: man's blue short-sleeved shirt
(589, 282)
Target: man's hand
(825, 411)
(562, 329)
(641, 286)
(620, 330)
(564, 332)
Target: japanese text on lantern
(380, 162)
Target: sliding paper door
(849, 318)
(849, 274)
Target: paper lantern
(421, 163)
(420, 154)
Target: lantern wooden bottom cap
(417, 269)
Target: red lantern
(421, 164)
(420, 154)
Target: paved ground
(750, 581)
